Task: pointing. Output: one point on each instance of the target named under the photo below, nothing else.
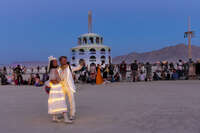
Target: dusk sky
(32, 30)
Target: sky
(32, 30)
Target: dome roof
(90, 35)
(91, 46)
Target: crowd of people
(106, 73)
(137, 71)
(20, 76)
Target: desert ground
(152, 107)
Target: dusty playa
(156, 107)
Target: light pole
(189, 34)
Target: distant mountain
(30, 63)
(171, 54)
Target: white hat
(50, 59)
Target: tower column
(90, 22)
(88, 40)
(95, 39)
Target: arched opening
(91, 40)
(79, 41)
(92, 64)
(101, 40)
(73, 52)
(103, 57)
(81, 60)
(103, 62)
(92, 51)
(103, 51)
(97, 40)
(81, 51)
(109, 50)
(73, 58)
(85, 40)
(92, 59)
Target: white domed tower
(90, 48)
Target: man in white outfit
(65, 72)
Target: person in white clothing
(56, 102)
(65, 72)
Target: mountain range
(171, 54)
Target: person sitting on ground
(117, 77)
(45, 77)
(175, 75)
(31, 80)
(37, 80)
(142, 76)
(155, 76)
(3, 79)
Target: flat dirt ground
(152, 107)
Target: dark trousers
(19, 79)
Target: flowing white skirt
(57, 101)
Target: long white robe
(69, 86)
(57, 101)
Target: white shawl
(66, 76)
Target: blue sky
(34, 29)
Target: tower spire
(90, 22)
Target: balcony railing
(103, 52)
(81, 53)
(92, 60)
(92, 52)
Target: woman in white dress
(57, 101)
